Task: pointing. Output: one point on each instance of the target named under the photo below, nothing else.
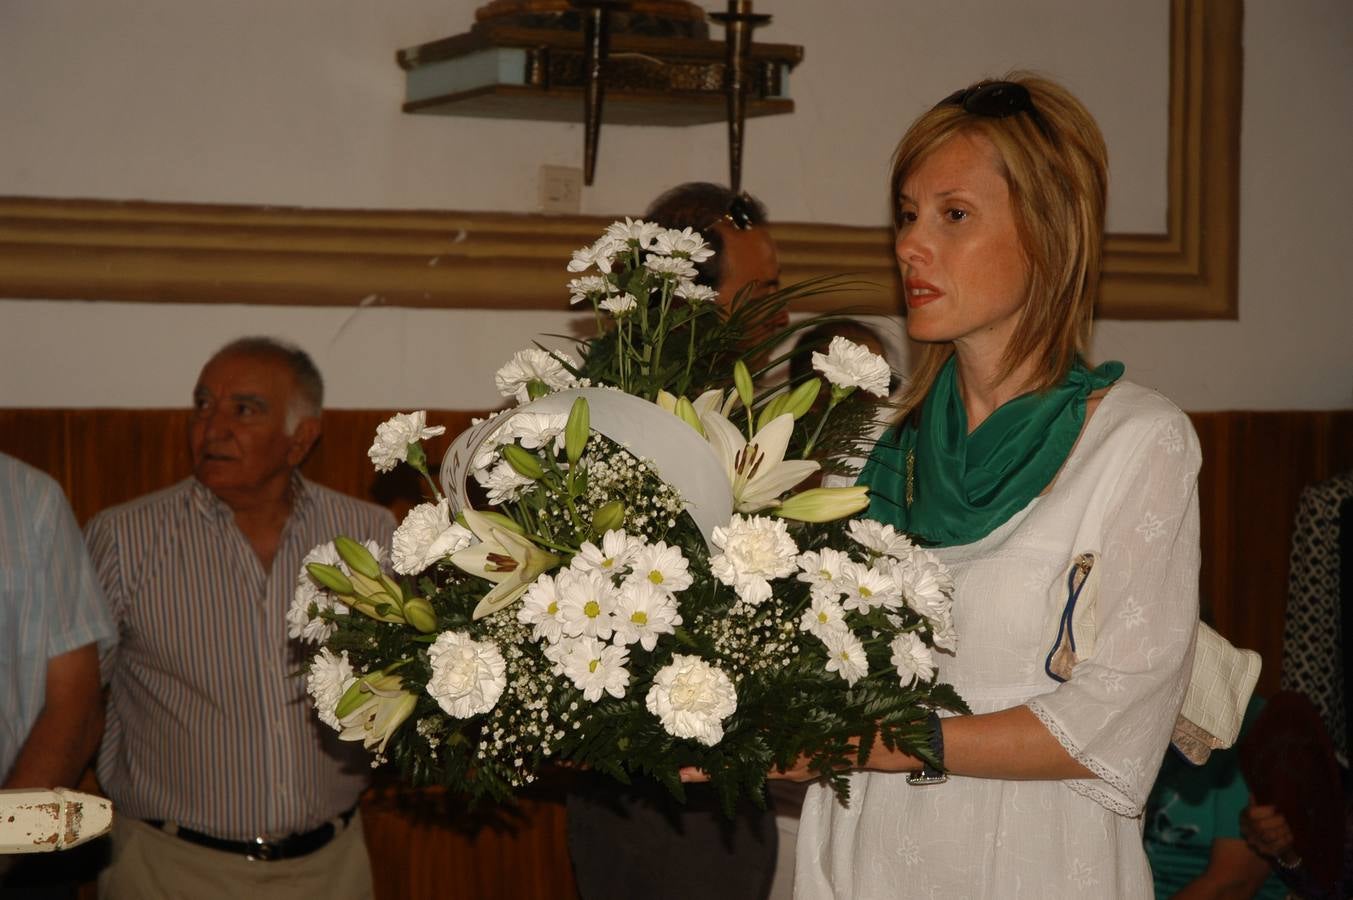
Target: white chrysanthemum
(533, 430)
(642, 612)
(845, 655)
(687, 242)
(595, 667)
(846, 364)
(943, 633)
(866, 588)
(696, 293)
(912, 658)
(586, 602)
(924, 584)
(468, 676)
(526, 366)
(540, 609)
(612, 557)
(692, 699)
(754, 549)
(824, 614)
(327, 680)
(589, 287)
(821, 569)
(637, 230)
(619, 304)
(660, 565)
(673, 267)
(600, 254)
(880, 538)
(426, 535)
(394, 436)
(503, 483)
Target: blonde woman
(1012, 457)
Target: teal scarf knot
(947, 487)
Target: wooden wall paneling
(116, 455)
(37, 437)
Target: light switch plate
(561, 189)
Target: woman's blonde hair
(1055, 163)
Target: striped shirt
(50, 601)
(209, 724)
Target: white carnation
(912, 658)
(692, 699)
(526, 366)
(327, 680)
(426, 535)
(394, 436)
(468, 676)
(846, 364)
(754, 549)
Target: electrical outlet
(561, 189)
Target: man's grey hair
(308, 399)
(699, 205)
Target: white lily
(373, 708)
(757, 470)
(504, 557)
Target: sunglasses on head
(740, 212)
(995, 100)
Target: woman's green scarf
(947, 487)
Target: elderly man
(637, 841)
(224, 782)
(52, 616)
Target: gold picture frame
(171, 252)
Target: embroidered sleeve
(1117, 711)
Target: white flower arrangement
(583, 614)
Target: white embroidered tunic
(1127, 492)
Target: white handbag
(1220, 685)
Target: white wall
(297, 103)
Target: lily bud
(577, 431)
(666, 400)
(358, 558)
(535, 389)
(686, 411)
(824, 504)
(772, 409)
(609, 517)
(802, 398)
(496, 520)
(524, 462)
(330, 577)
(742, 380)
(418, 613)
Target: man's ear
(303, 440)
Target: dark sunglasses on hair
(740, 212)
(995, 100)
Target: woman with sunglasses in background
(1011, 458)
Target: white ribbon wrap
(681, 457)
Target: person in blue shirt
(1192, 829)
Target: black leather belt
(265, 850)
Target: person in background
(636, 841)
(225, 783)
(1192, 830)
(52, 623)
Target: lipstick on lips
(920, 292)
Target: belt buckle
(262, 851)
